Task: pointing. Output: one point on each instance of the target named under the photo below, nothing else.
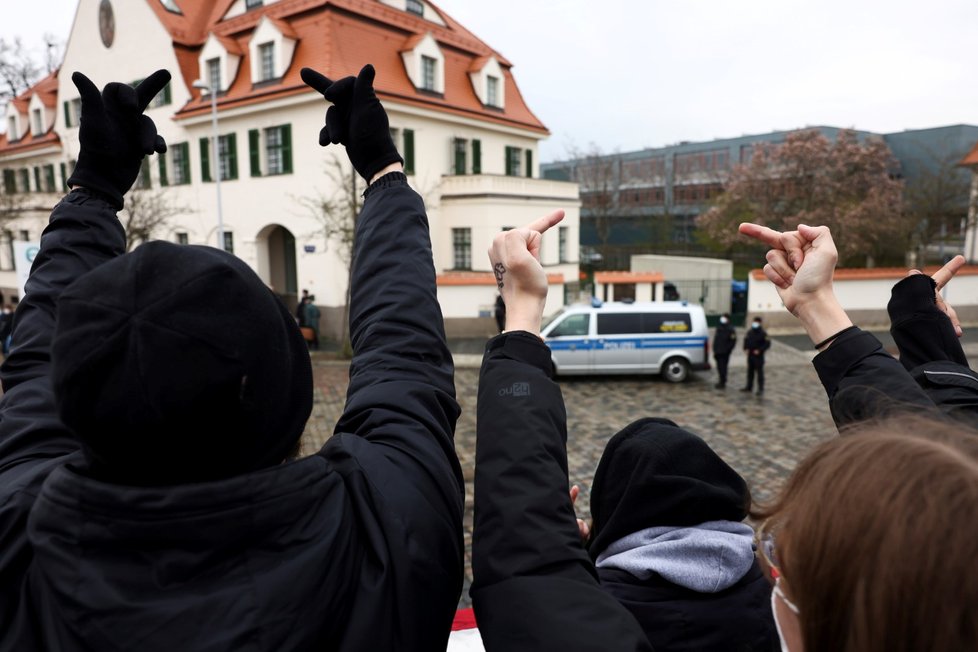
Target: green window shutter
(163, 180)
(254, 152)
(476, 157)
(509, 161)
(529, 162)
(167, 97)
(287, 149)
(37, 179)
(66, 106)
(459, 153)
(185, 162)
(64, 176)
(233, 156)
(409, 151)
(205, 159)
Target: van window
(666, 322)
(573, 325)
(619, 323)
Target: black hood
(177, 364)
(653, 473)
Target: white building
(468, 138)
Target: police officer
(723, 344)
(756, 342)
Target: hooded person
(152, 403)
(669, 543)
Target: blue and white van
(666, 337)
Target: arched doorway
(276, 262)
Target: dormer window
(429, 68)
(415, 7)
(37, 122)
(486, 76)
(12, 129)
(266, 56)
(424, 63)
(492, 90)
(214, 74)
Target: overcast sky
(627, 74)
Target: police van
(666, 337)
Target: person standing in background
(756, 342)
(724, 341)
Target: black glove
(114, 134)
(356, 120)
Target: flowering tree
(845, 185)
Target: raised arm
(860, 378)
(83, 233)
(534, 586)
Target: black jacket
(358, 547)
(756, 339)
(737, 619)
(724, 340)
(534, 587)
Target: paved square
(762, 438)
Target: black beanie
(653, 474)
(176, 364)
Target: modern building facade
(648, 200)
(468, 138)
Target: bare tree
(335, 211)
(937, 201)
(146, 212)
(20, 68)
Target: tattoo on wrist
(499, 269)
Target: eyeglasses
(769, 560)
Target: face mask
(755, 325)
(777, 594)
(723, 320)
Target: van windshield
(552, 319)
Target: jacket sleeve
(534, 587)
(83, 233)
(863, 381)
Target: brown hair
(877, 538)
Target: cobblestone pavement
(761, 437)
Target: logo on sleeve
(517, 389)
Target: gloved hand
(114, 134)
(356, 120)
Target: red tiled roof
(483, 278)
(971, 158)
(29, 142)
(877, 273)
(628, 277)
(47, 91)
(190, 28)
(337, 37)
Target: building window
(142, 180)
(162, 98)
(12, 129)
(492, 90)
(9, 182)
(252, 4)
(25, 180)
(180, 157)
(50, 185)
(462, 248)
(278, 149)
(227, 157)
(266, 55)
(25, 235)
(513, 161)
(37, 123)
(214, 74)
(72, 110)
(415, 7)
(460, 145)
(229, 242)
(562, 244)
(183, 238)
(428, 70)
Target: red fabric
(464, 619)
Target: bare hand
(515, 259)
(582, 527)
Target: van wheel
(675, 370)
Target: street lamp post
(214, 156)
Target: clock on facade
(106, 23)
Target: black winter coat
(358, 547)
(678, 619)
(534, 587)
(724, 340)
(756, 339)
